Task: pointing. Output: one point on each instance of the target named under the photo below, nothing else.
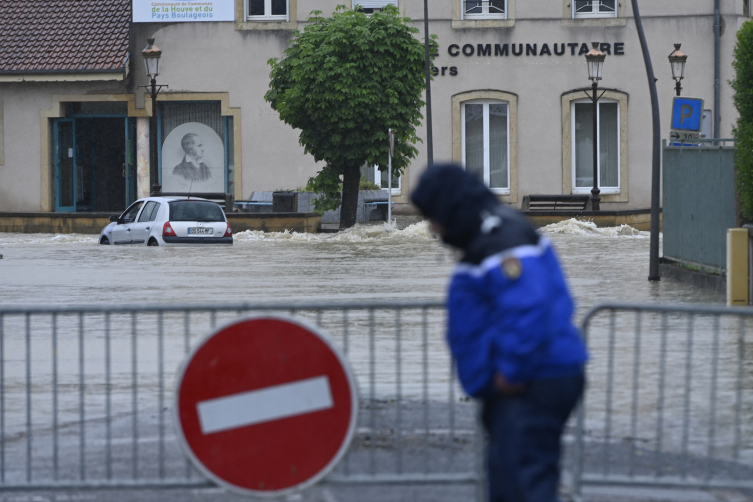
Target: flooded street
(364, 263)
(394, 358)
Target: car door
(142, 228)
(121, 232)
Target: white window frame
(378, 181)
(605, 190)
(267, 12)
(487, 102)
(598, 14)
(485, 14)
(374, 5)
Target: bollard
(749, 227)
(737, 266)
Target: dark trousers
(524, 439)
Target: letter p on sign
(687, 114)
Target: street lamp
(595, 60)
(427, 72)
(677, 60)
(151, 55)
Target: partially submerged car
(169, 221)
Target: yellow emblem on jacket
(512, 268)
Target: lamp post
(595, 61)
(653, 260)
(151, 55)
(427, 71)
(677, 60)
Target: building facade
(508, 97)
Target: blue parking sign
(687, 114)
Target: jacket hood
(456, 200)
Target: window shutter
(374, 4)
(287, 11)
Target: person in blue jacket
(510, 331)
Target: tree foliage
(743, 131)
(344, 81)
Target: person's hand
(505, 387)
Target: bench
(226, 200)
(580, 202)
(248, 206)
(380, 204)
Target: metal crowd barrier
(669, 400)
(86, 394)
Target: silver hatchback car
(169, 221)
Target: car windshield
(194, 210)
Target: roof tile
(64, 34)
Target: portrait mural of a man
(193, 158)
(192, 167)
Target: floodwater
(365, 263)
(361, 264)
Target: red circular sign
(266, 405)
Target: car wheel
(153, 242)
(104, 241)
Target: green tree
(743, 131)
(344, 82)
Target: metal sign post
(389, 175)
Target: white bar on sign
(265, 405)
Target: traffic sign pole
(266, 405)
(391, 134)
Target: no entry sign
(266, 405)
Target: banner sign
(150, 11)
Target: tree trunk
(349, 208)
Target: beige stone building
(507, 96)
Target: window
(150, 211)
(485, 138)
(594, 8)
(746, 8)
(374, 175)
(267, 10)
(372, 6)
(193, 210)
(608, 140)
(483, 14)
(485, 142)
(130, 213)
(484, 9)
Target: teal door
(65, 165)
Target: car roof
(173, 199)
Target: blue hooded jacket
(509, 307)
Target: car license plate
(201, 231)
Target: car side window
(131, 212)
(150, 211)
(155, 210)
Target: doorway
(95, 153)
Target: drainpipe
(717, 68)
